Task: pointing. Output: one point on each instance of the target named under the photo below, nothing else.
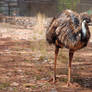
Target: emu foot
(69, 84)
(52, 80)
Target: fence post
(9, 8)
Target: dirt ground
(26, 65)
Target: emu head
(86, 17)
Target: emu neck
(84, 30)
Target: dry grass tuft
(41, 18)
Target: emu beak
(90, 24)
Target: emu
(70, 30)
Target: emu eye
(87, 20)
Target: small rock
(11, 89)
(45, 79)
(14, 84)
(9, 74)
(33, 81)
(53, 90)
(20, 70)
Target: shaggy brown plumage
(69, 30)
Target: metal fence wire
(47, 7)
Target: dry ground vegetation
(26, 62)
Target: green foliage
(89, 12)
(67, 4)
(1, 10)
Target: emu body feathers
(69, 30)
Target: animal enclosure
(27, 60)
(33, 7)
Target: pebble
(14, 84)
(53, 90)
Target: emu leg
(55, 62)
(69, 67)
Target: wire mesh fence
(47, 7)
